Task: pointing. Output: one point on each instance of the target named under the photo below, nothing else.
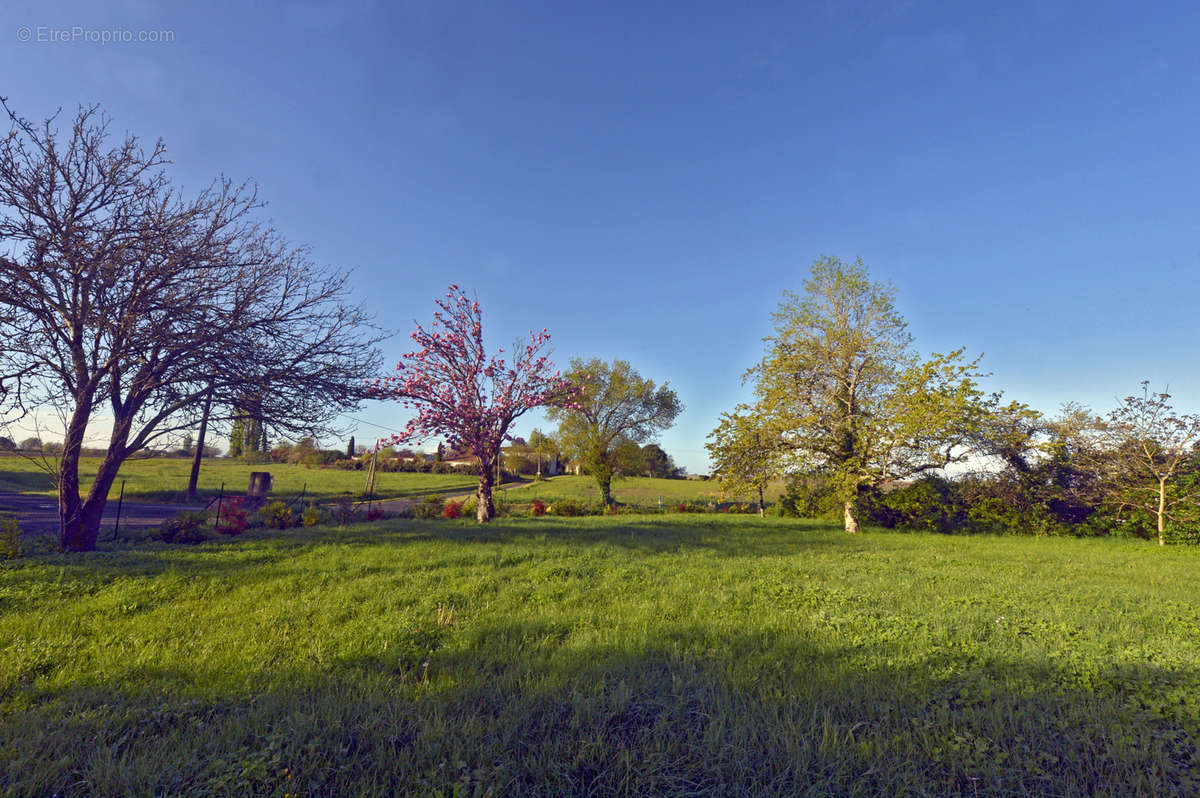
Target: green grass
(165, 479)
(671, 655)
(641, 491)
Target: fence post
(220, 497)
(120, 500)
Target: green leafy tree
(237, 438)
(850, 395)
(746, 453)
(1150, 445)
(543, 446)
(617, 410)
(656, 463)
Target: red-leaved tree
(466, 397)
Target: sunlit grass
(623, 655)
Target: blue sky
(647, 181)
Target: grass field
(165, 479)
(669, 655)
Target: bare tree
(1149, 445)
(121, 298)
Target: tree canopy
(462, 394)
(616, 410)
(849, 394)
(120, 297)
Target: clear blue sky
(647, 181)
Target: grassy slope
(165, 479)
(668, 655)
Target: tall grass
(671, 655)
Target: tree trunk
(1162, 511)
(70, 506)
(848, 519)
(762, 510)
(604, 481)
(485, 510)
(194, 477)
(93, 508)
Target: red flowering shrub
(375, 514)
(538, 507)
(233, 517)
(452, 509)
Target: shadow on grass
(517, 709)
(137, 554)
(735, 536)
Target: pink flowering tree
(461, 394)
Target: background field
(165, 479)
(641, 491)
(667, 654)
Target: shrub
(470, 505)
(430, 506)
(931, 504)
(375, 513)
(313, 515)
(570, 508)
(452, 509)
(233, 517)
(808, 496)
(276, 515)
(185, 527)
(537, 508)
(343, 509)
(10, 538)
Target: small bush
(452, 509)
(343, 509)
(808, 496)
(469, 506)
(375, 513)
(537, 508)
(185, 527)
(276, 515)
(569, 508)
(430, 507)
(313, 515)
(233, 517)
(10, 538)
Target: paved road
(39, 514)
